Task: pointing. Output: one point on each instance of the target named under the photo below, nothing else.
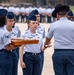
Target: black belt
(2, 50)
(63, 49)
(32, 53)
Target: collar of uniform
(39, 26)
(32, 33)
(7, 30)
(2, 28)
(63, 18)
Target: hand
(23, 65)
(46, 46)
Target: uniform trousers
(14, 62)
(48, 19)
(41, 18)
(26, 18)
(17, 51)
(33, 64)
(22, 18)
(17, 18)
(42, 55)
(63, 61)
(5, 62)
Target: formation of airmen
(22, 12)
(31, 56)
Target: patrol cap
(10, 15)
(70, 13)
(35, 12)
(32, 17)
(58, 8)
(3, 12)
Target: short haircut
(62, 12)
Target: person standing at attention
(31, 61)
(40, 30)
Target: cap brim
(57, 10)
